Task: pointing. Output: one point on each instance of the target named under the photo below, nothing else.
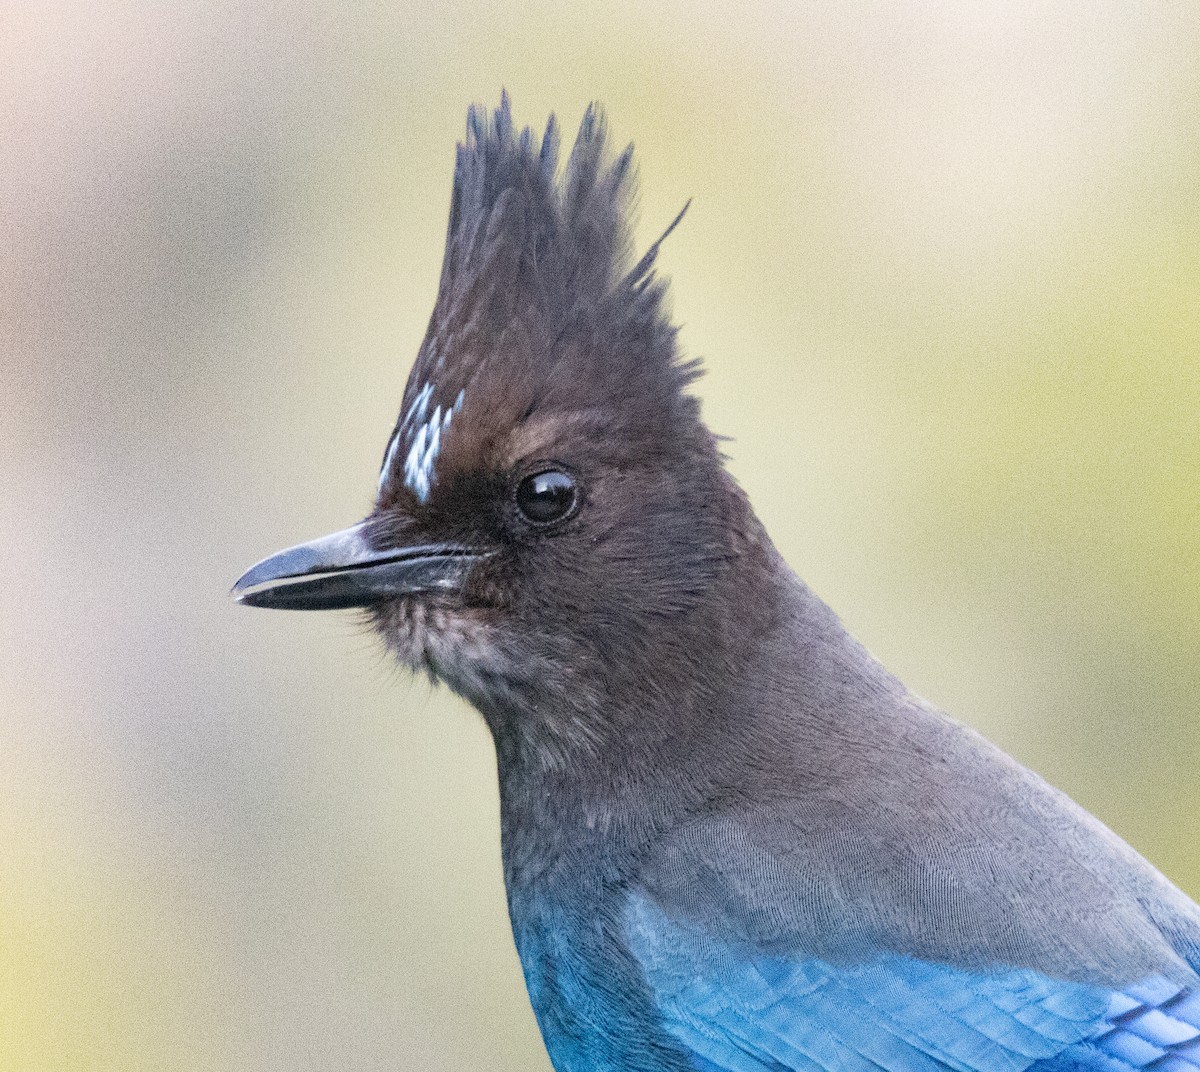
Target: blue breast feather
(739, 1013)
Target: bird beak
(343, 570)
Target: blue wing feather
(737, 1011)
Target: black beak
(343, 570)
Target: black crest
(539, 306)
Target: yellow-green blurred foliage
(943, 263)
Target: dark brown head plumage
(550, 371)
(540, 316)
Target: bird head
(550, 505)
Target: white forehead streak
(420, 434)
(419, 465)
(389, 457)
(416, 411)
(418, 407)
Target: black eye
(546, 497)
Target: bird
(732, 841)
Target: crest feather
(537, 288)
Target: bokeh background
(943, 263)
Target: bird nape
(731, 839)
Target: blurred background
(943, 264)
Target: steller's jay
(732, 840)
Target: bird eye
(547, 496)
